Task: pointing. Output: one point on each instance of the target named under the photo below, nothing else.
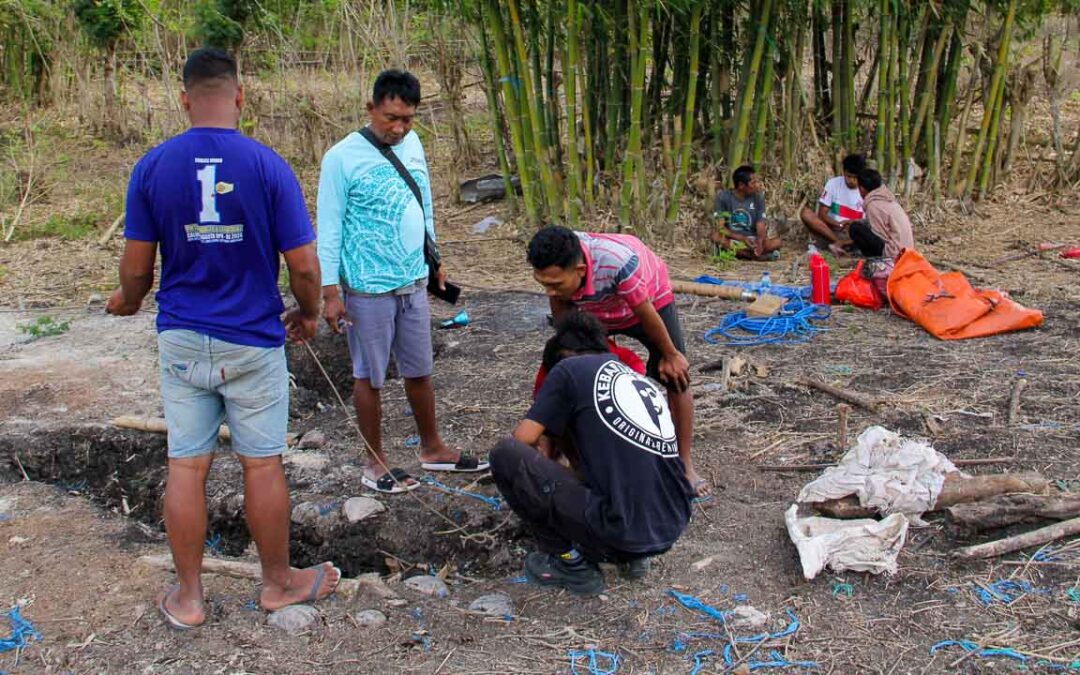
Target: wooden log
(1037, 537)
(955, 490)
(791, 468)
(1010, 509)
(157, 425)
(1014, 401)
(712, 290)
(842, 394)
(347, 588)
(842, 410)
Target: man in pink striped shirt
(618, 279)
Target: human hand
(675, 371)
(440, 276)
(838, 247)
(334, 313)
(300, 327)
(119, 306)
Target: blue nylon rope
(792, 325)
(494, 502)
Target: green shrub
(44, 326)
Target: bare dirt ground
(70, 538)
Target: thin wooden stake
(842, 394)
(842, 410)
(1014, 401)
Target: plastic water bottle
(820, 290)
(766, 280)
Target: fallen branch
(112, 230)
(955, 490)
(1037, 537)
(1010, 509)
(157, 425)
(347, 588)
(1014, 401)
(783, 468)
(842, 394)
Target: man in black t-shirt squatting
(633, 501)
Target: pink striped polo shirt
(620, 273)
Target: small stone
(95, 299)
(493, 604)
(309, 461)
(370, 618)
(17, 540)
(294, 618)
(356, 509)
(747, 616)
(428, 585)
(306, 513)
(312, 439)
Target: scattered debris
(306, 513)
(356, 509)
(22, 632)
(293, 618)
(486, 224)
(703, 563)
(748, 616)
(313, 439)
(493, 604)
(595, 662)
(369, 618)
(428, 585)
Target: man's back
(625, 435)
(221, 206)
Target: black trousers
(868, 243)
(550, 500)
(670, 316)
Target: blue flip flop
(313, 596)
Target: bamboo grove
(612, 104)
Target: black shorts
(670, 316)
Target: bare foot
(438, 453)
(307, 585)
(182, 611)
(700, 486)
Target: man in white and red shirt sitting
(620, 281)
(839, 205)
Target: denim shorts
(206, 381)
(389, 324)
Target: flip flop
(313, 596)
(170, 619)
(465, 463)
(392, 482)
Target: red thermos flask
(820, 290)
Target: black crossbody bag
(431, 249)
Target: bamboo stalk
(686, 148)
(510, 85)
(490, 91)
(992, 102)
(573, 183)
(923, 96)
(764, 102)
(551, 196)
(746, 101)
(883, 81)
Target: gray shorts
(389, 324)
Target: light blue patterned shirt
(371, 230)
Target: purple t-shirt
(222, 207)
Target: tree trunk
(1037, 537)
(1011, 509)
(955, 490)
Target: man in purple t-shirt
(222, 208)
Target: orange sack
(948, 307)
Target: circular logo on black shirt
(634, 409)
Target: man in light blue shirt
(371, 247)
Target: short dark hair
(869, 179)
(207, 64)
(577, 332)
(554, 245)
(400, 84)
(743, 175)
(854, 164)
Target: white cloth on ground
(886, 472)
(862, 545)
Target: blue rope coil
(792, 325)
(22, 631)
(592, 658)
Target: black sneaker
(580, 578)
(636, 568)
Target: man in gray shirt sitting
(740, 216)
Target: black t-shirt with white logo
(639, 498)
